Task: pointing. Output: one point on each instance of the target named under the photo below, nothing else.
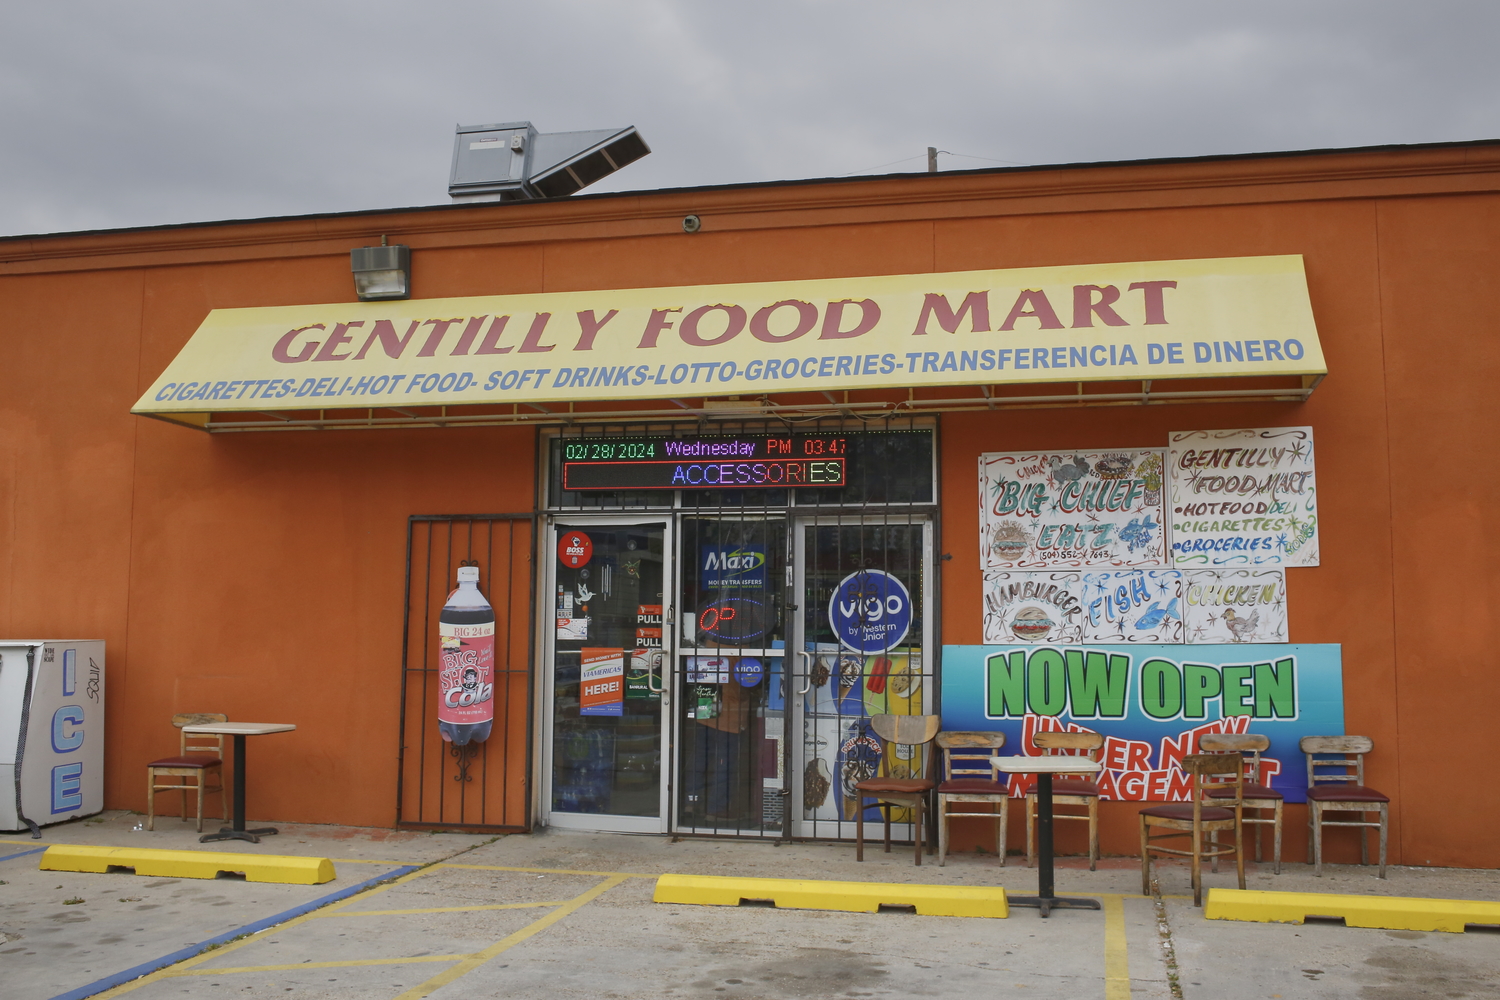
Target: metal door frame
(678, 681)
(402, 821)
(546, 648)
(798, 679)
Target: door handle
(650, 673)
(806, 671)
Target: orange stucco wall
(261, 574)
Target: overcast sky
(152, 112)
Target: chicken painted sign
(1151, 703)
(1094, 322)
(1234, 606)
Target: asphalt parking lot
(570, 915)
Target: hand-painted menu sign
(1243, 497)
(1235, 605)
(1135, 606)
(1057, 510)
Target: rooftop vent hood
(514, 162)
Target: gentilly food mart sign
(1097, 322)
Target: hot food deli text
(1145, 320)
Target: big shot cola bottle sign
(466, 675)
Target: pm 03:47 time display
(742, 461)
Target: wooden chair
(969, 778)
(1258, 796)
(201, 755)
(1194, 819)
(1068, 791)
(906, 730)
(1343, 791)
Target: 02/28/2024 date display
(742, 461)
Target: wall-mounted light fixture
(382, 272)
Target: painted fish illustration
(1155, 615)
(1137, 534)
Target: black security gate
(766, 703)
(483, 786)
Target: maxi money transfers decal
(1243, 497)
(1050, 510)
(1134, 321)
(732, 567)
(1151, 703)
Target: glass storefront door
(862, 637)
(715, 654)
(731, 646)
(672, 694)
(611, 584)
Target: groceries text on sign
(1146, 319)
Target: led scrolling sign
(743, 461)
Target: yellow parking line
(475, 961)
(548, 871)
(201, 957)
(317, 965)
(1116, 959)
(441, 909)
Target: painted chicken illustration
(1062, 472)
(1243, 628)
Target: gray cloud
(166, 111)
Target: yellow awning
(1140, 322)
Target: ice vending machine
(51, 731)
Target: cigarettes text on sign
(1158, 319)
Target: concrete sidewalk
(570, 915)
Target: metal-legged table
(1044, 768)
(239, 730)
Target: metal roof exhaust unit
(513, 161)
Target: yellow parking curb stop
(813, 894)
(188, 864)
(1396, 913)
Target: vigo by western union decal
(1095, 322)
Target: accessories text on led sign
(744, 461)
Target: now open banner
(1151, 703)
(1092, 322)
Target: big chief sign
(1146, 320)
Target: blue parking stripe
(182, 954)
(22, 854)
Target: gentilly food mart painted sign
(1096, 322)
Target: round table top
(1052, 765)
(240, 728)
